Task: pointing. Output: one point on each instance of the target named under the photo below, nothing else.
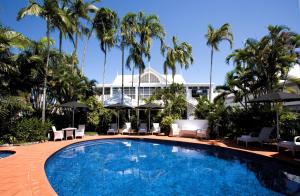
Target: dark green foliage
(174, 99)
(98, 117)
(289, 125)
(27, 130)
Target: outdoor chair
(202, 133)
(80, 131)
(155, 128)
(143, 128)
(113, 129)
(290, 145)
(264, 135)
(57, 135)
(127, 128)
(174, 130)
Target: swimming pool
(5, 153)
(143, 167)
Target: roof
(161, 78)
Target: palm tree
(128, 31)
(214, 37)
(50, 12)
(106, 25)
(65, 30)
(181, 54)
(80, 10)
(148, 28)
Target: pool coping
(23, 172)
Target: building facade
(151, 80)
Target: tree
(214, 38)
(79, 10)
(106, 25)
(50, 12)
(180, 53)
(9, 40)
(148, 28)
(261, 64)
(128, 31)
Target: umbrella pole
(118, 119)
(149, 119)
(73, 118)
(277, 124)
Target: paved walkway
(23, 173)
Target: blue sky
(186, 19)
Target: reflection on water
(134, 167)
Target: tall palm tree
(214, 38)
(106, 25)
(80, 11)
(180, 53)
(65, 31)
(148, 28)
(50, 12)
(128, 31)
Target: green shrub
(27, 130)
(98, 117)
(166, 123)
(289, 125)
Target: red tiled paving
(23, 173)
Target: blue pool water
(4, 154)
(141, 167)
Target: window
(106, 90)
(199, 91)
(129, 91)
(146, 92)
(153, 78)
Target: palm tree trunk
(172, 79)
(60, 42)
(103, 74)
(85, 49)
(132, 82)
(166, 80)
(210, 77)
(76, 44)
(46, 72)
(122, 99)
(138, 101)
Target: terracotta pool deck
(23, 173)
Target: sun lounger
(113, 129)
(202, 133)
(127, 129)
(290, 145)
(156, 128)
(264, 135)
(143, 128)
(174, 130)
(80, 131)
(57, 135)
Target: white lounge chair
(175, 131)
(143, 128)
(290, 145)
(57, 135)
(202, 133)
(264, 135)
(80, 131)
(127, 129)
(113, 129)
(155, 128)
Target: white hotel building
(150, 81)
